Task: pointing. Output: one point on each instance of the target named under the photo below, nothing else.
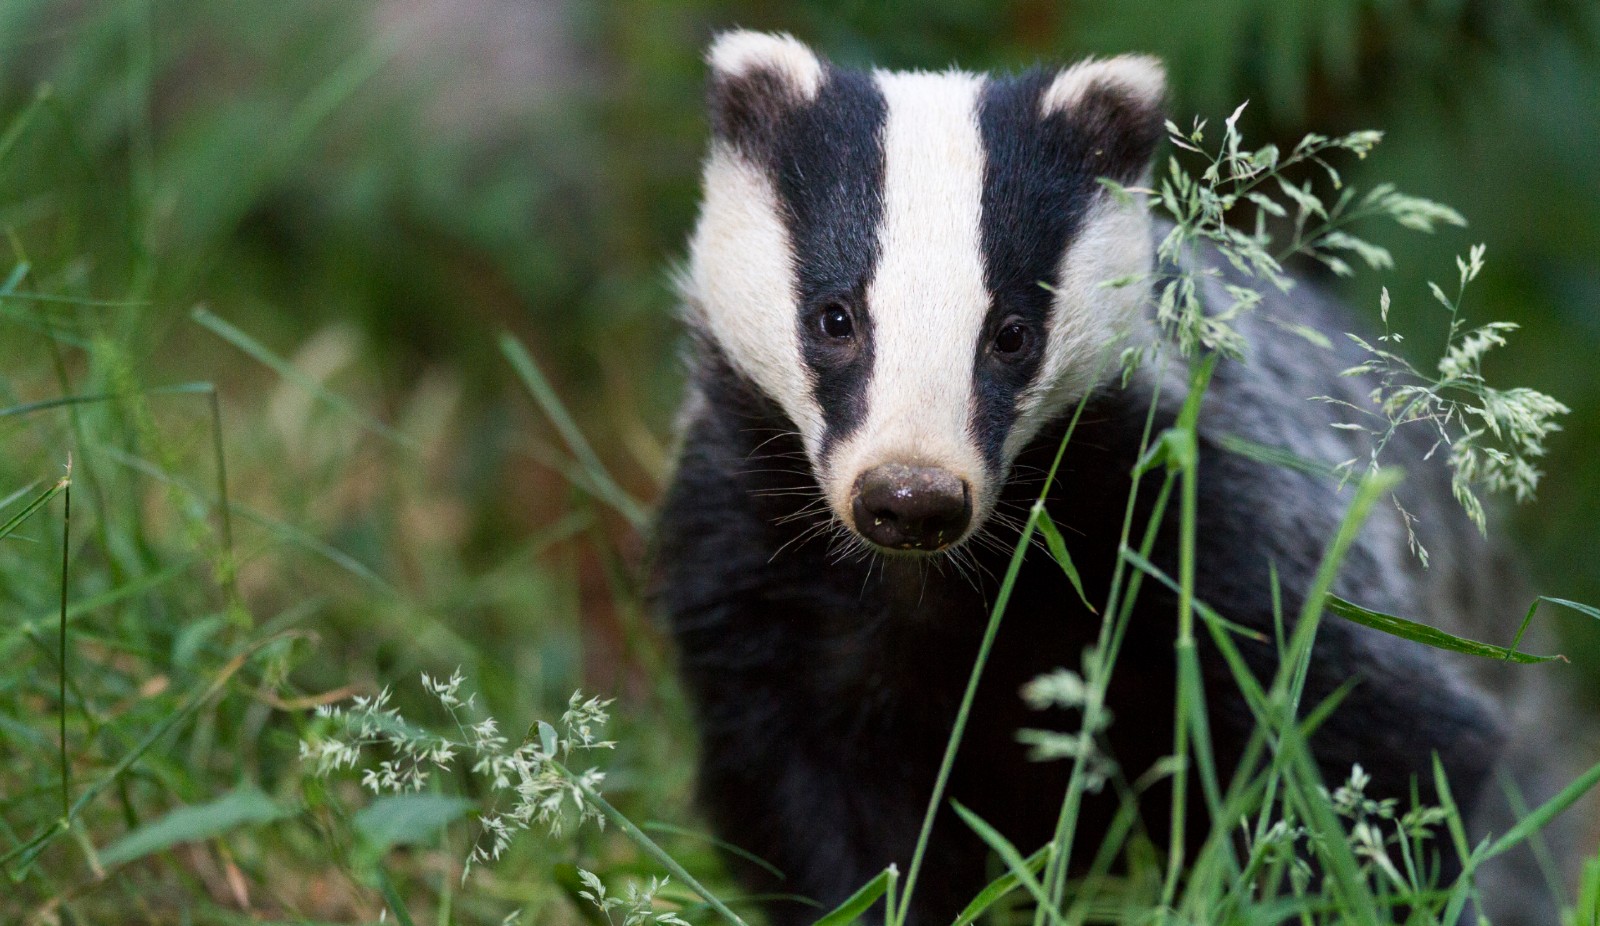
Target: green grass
(263, 311)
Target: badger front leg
(794, 813)
(821, 724)
(826, 800)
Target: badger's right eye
(836, 321)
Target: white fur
(736, 53)
(927, 297)
(1087, 317)
(741, 281)
(1139, 76)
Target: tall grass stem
(61, 639)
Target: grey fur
(825, 683)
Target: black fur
(826, 159)
(826, 684)
(826, 687)
(1041, 175)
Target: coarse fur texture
(929, 207)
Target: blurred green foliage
(302, 163)
(375, 190)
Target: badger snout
(911, 507)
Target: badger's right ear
(1117, 105)
(757, 78)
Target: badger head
(911, 265)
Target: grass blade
(964, 711)
(25, 854)
(1012, 858)
(1183, 457)
(18, 274)
(61, 654)
(900, 905)
(1588, 910)
(599, 479)
(391, 897)
(288, 533)
(1540, 818)
(32, 508)
(859, 902)
(1058, 550)
(407, 819)
(1548, 867)
(649, 846)
(1208, 613)
(67, 401)
(20, 123)
(656, 826)
(19, 494)
(1000, 887)
(1276, 456)
(242, 806)
(1431, 636)
(259, 353)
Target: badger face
(910, 265)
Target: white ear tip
(737, 53)
(1142, 78)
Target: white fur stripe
(1087, 317)
(742, 276)
(927, 298)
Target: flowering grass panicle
(529, 778)
(1378, 838)
(1066, 689)
(1207, 209)
(637, 907)
(368, 724)
(1491, 437)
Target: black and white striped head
(911, 264)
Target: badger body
(879, 383)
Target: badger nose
(911, 507)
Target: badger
(896, 299)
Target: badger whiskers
(799, 540)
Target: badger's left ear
(1117, 105)
(757, 80)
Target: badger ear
(757, 78)
(1118, 105)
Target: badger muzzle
(902, 507)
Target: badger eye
(836, 321)
(1011, 338)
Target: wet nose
(911, 507)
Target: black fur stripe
(1035, 194)
(827, 162)
(830, 179)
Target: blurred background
(332, 211)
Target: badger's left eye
(836, 321)
(1012, 338)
